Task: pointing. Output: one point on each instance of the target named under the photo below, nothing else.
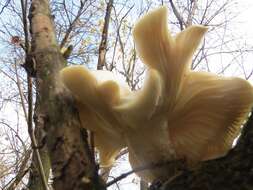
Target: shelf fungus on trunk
(178, 114)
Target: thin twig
(20, 91)
(177, 14)
(6, 4)
(118, 33)
(15, 132)
(72, 25)
(21, 173)
(142, 168)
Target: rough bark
(234, 171)
(71, 161)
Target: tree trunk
(71, 161)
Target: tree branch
(72, 24)
(21, 173)
(20, 91)
(192, 10)
(178, 163)
(6, 5)
(177, 14)
(103, 42)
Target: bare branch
(103, 43)
(177, 14)
(21, 173)
(192, 10)
(21, 94)
(178, 163)
(72, 24)
(5, 5)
